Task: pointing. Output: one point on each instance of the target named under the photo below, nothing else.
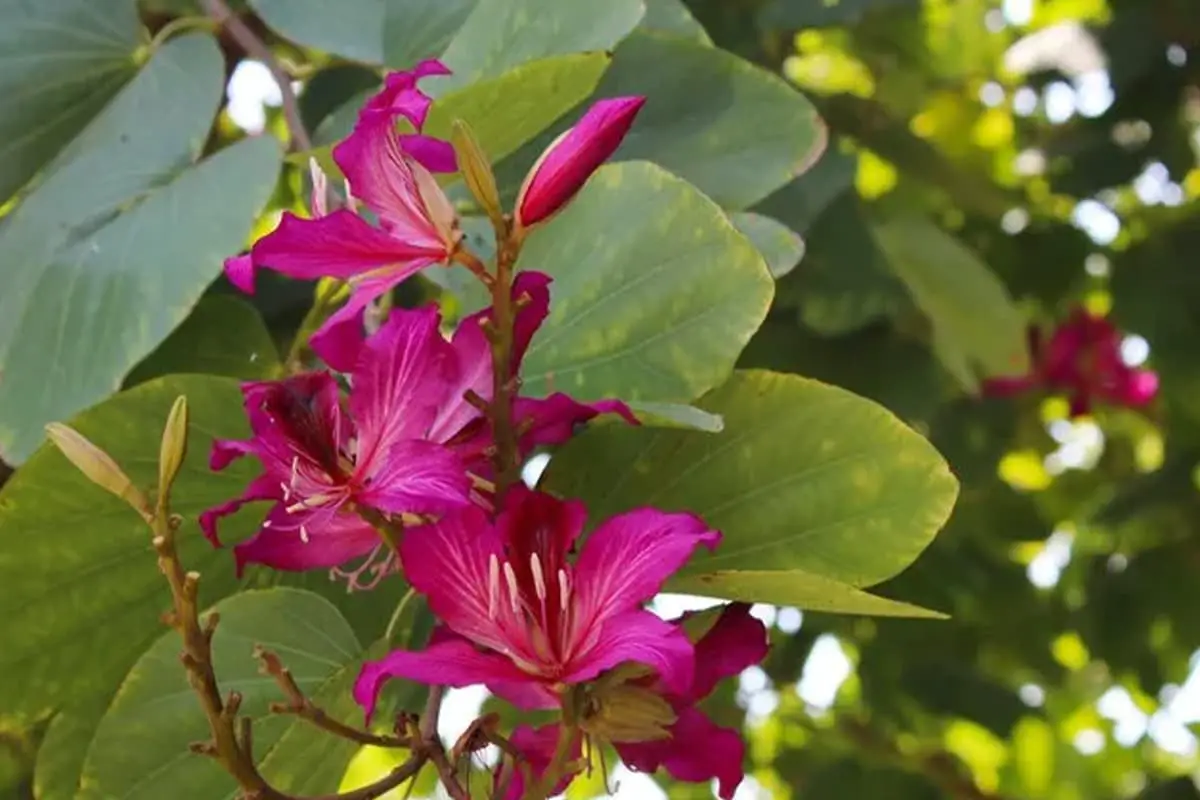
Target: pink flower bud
(571, 159)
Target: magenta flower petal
(735, 641)
(339, 340)
(626, 560)
(473, 356)
(402, 378)
(1140, 388)
(264, 487)
(536, 286)
(433, 154)
(453, 662)
(1009, 387)
(340, 245)
(240, 272)
(553, 420)
(697, 752)
(638, 636)
(536, 746)
(225, 451)
(565, 166)
(298, 542)
(417, 477)
(399, 95)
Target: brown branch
(255, 47)
(303, 707)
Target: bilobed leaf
(417, 29)
(140, 750)
(63, 60)
(795, 587)
(694, 122)
(976, 327)
(224, 335)
(119, 239)
(781, 247)
(501, 34)
(654, 295)
(350, 28)
(804, 476)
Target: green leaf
(224, 335)
(976, 327)
(501, 34)
(61, 753)
(823, 13)
(674, 415)
(805, 476)
(508, 111)
(780, 246)
(672, 16)
(794, 587)
(119, 239)
(414, 30)
(351, 28)
(694, 123)
(140, 749)
(63, 61)
(638, 314)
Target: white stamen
(295, 470)
(287, 492)
(266, 523)
(539, 580)
(564, 588)
(304, 534)
(513, 596)
(493, 584)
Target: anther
(539, 580)
(564, 588)
(304, 534)
(493, 584)
(511, 578)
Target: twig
(303, 707)
(254, 46)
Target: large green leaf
(350, 28)
(418, 29)
(672, 16)
(501, 34)
(795, 587)
(119, 239)
(780, 246)
(140, 749)
(63, 60)
(224, 335)
(694, 123)
(804, 476)
(976, 327)
(655, 292)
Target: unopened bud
(628, 713)
(173, 449)
(437, 206)
(565, 166)
(97, 465)
(476, 170)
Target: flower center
(540, 603)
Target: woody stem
(507, 458)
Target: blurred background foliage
(1057, 143)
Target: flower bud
(476, 170)
(570, 160)
(173, 449)
(628, 713)
(438, 209)
(97, 466)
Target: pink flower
(695, 750)
(569, 161)
(392, 175)
(536, 746)
(321, 459)
(523, 618)
(1082, 359)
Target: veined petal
(450, 562)
(417, 477)
(734, 642)
(299, 542)
(240, 272)
(338, 342)
(697, 752)
(453, 662)
(536, 285)
(400, 97)
(264, 487)
(473, 357)
(637, 636)
(553, 419)
(380, 176)
(340, 245)
(401, 379)
(626, 560)
(535, 523)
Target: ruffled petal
(734, 642)
(449, 562)
(473, 357)
(332, 540)
(637, 636)
(536, 285)
(401, 379)
(417, 477)
(626, 560)
(433, 154)
(400, 97)
(697, 752)
(240, 272)
(452, 662)
(264, 487)
(338, 342)
(225, 451)
(379, 174)
(340, 245)
(554, 419)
